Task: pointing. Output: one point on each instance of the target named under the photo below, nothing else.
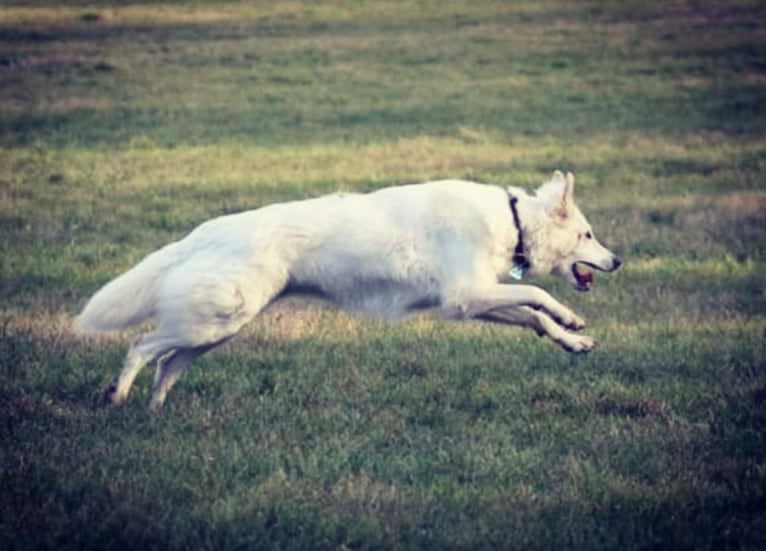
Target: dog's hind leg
(145, 349)
(168, 372)
(170, 369)
(211, 311)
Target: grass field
(122, 126)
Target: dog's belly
(375, 297)
(387, 299)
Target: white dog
(453, 246)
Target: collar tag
(517, 272)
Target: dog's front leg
(543, 324)
(474, 303)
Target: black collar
(519, 256)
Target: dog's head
(565, 243)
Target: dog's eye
(588, 235)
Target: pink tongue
(584, 278)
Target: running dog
(453, 246)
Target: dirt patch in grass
(649, 407)
(745, 207)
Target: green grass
(123, 127)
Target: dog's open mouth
(583, 276)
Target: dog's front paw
(570, 320)
(578, 344)
(575, 323)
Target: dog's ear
(569, 191)
(558, 195)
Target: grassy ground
(122, 128)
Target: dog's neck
(530, 230)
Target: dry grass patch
(744, 207)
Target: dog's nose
(616, 263)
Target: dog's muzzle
(584, 277)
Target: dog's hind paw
(110, 398)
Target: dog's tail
(129, 298)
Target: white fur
(445, 245)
